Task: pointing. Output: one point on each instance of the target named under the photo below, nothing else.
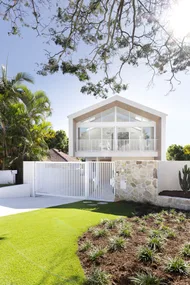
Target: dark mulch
(124, 264)
(175, 193)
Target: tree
(187, 149)
(175, 152)
(26, 130)
(9, 94)
(59, 141)
(129, 32)
(126, 32)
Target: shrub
(177, 265)
(95, 253)
(171, 234)
(116, 243)
(121, 220)
(111, 224)
(98, 277)
(85, 245)
(137, 220)
(155, 233)
(104, 221)
(155, 243)
(146, 279)
(97, 233)
(125, 232)
(146, 254)
(186, 250)
(143, 229)
(164, 228)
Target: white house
(115, 129)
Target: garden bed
(129, 246)
(175, 193)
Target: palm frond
(23, 76)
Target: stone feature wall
(136, 180)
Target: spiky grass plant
(177, 265)
(116, 243)
(104, 221)
(171, 234)
(125, 232)
(85, 246)
(111, 224)
(96, 252)
(155, 243)
(155, 233)
(146, 254)
(98, 233)
(146, 279)
(142, 229)
(121, 220)
(98, 277)
(186, 250)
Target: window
(95, 133)
(108, 133)
(148, 133)
(122, 133)
(108, 115)
(135, 133)
(83, 133)
(95, 118)
(135, 118)
(123, 115)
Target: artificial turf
(40, 247)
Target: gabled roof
(56, 155)
(119, 99)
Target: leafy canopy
(93, 35)
(178, 152)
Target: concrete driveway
(10, 206)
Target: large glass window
(135, 118)
(123, 115)
(83, 133)
(148, 133)
(135, 133)
(122, 133)
(95, 118)
(108, 133)
(108, 115)
(95, 133)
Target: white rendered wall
(7, 176)
(168, 172)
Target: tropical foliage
(178, 152)
(58, 140)
(23, 125)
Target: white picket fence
(89, 180)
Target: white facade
(117, 128)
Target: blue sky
(64, 91)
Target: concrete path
(10, 206)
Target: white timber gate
(85, 180)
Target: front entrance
(85, 180)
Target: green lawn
(40, 247)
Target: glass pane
(122, 133)
(148, 133)
(108, 115)
(95, 133)
(135, 133)
(83, 133)
(135, 118)
(122, 115)
(108, 133)
(95, 118)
